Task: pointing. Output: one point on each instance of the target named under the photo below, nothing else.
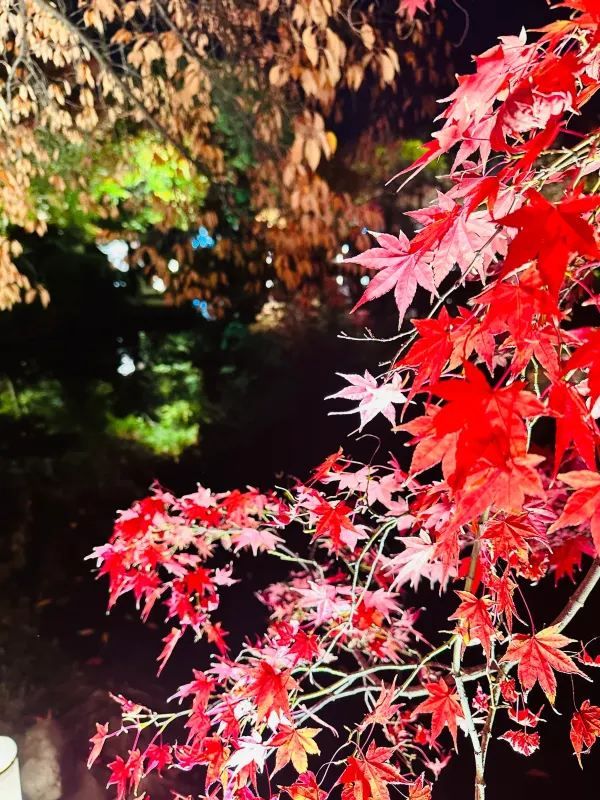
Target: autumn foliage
(497, 397)
(244, 94)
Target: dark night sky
(488, 19)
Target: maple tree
(244, 96)
(497, 402)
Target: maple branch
(578, 598)
(486, 733)
(405, 691)
(575, 603)
(457, 673)
(105, 63)
(466, 709)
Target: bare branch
(579, 596)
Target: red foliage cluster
(484, 509)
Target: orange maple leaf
(419, 790)
(305, 788)
(293, 744)
(384, 710)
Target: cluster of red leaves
(485, 509)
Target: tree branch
(471, 729)
(579, 596)
(459, 680)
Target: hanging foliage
(246, 94)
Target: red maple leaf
(502, 589)
(213, 755)
(530, 107)
(97, 741)
(574, 425)
(158, 756)
(126, 775)
(469, 118)
(502, 485)
(585, 728)
(475, 621)
(170, 641)
(367, 777)
(454, 234)
(519, 307)
(493, 429)
(508, 690)
(550, 233)
(567, 556)
(399, 268)
(384, 710)
(587, 354)
(525, 717)
(522, 741)
(431, 351)
(330, 464)
(538, 657)
(583, 505)
(444, 706)
(483, 453)
(442, 341)
(270, 689)
(430, 448)
(304, 646)
(588, 660)
(509, 537)
(333, 521)
(216, 635)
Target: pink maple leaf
(254, 538)
(410, 8)
(373, 398)
(398, 269)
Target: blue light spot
(202, 239)
(204, 310)
(203, 307)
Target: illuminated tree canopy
(238, 101)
